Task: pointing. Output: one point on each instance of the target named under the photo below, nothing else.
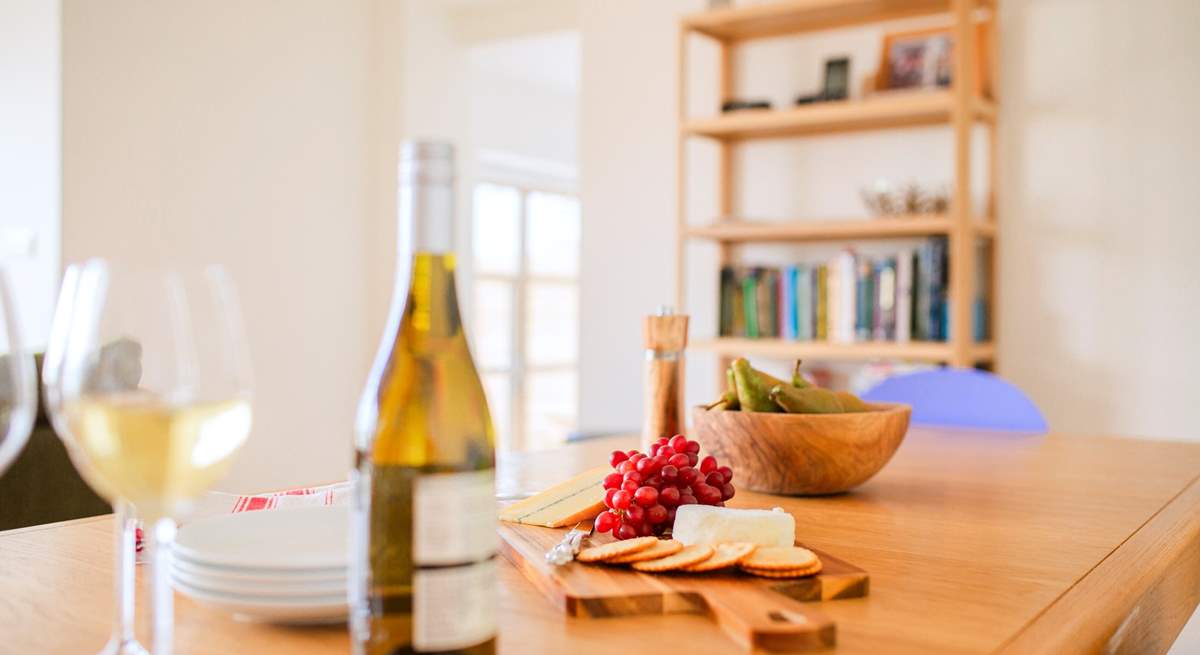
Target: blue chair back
(962, 398)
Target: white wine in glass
(154, 387)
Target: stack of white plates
(286, 565)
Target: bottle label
(454, 550)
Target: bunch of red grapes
(644, 491)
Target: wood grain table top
(976, 542)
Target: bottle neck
(426, 219)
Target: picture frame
(924, 59)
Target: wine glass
(154, 387)
(121, 641)
(18, 388)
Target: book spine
(750, 303)
(846, 301)
(864, 315)
(904, 296)
(821, 313)
(768, 299)
(725, 324)
(939, 311)
(804, 303)
(885, 299)
(921, 286)
(787, 295)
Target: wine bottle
(423, 578)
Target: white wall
(29, 158)
(244, 135)
(1098, 284)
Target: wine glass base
(127, 647)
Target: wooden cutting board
(760, 613)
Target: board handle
(772, 623)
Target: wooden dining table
(975, 542)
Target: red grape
(630, 485)
(608, 497)
(659, 462)
(707, 494)
(625, 467)
(616, 458)
(626, 531)
(654, 449)
(668, 473)
(715, 479)
(687, 499)
(605, 521)
(656, 514)
(646, 496)
(679, 443)
(666, 451)
(670, 516)
(727, 473)
(678, 460)
(669, 496)
(621, 499)
(654, 481)
(632, 452)
(708, 464)
(693, 447)
(613, 480)
(646, 530)
(636, 457)
(688, 475)
(635, 514)
(692, 459)
(644, 466)
(727, 491)
(635, 476)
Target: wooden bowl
(802, 454)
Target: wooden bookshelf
(885, 110)
(921, 351)
(892, 227)
(957, 107)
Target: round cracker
(659, 550)
(779, 558)
(785, 573)
(686, 557)
(613, 549)
(724, 556)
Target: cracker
(780, 558)
(615, 549)
(785, 573)
(724, 556)
(659, 550)
(686, 557)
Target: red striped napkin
(214, 503)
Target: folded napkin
(215, 503)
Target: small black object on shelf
(739, 105)
(836, 85)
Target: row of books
(900, 297)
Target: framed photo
(925, 59)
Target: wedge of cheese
(702, 524)
(565, 504)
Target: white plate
(232, 574)
(279, 539)
(323, 609)
(278, 589)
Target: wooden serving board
(762, 614)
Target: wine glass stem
(163, 611)
(126, 550)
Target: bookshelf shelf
(919, 351)
(891, 227)
(882, 111)
(959, 107)
(798, 16)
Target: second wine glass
(154, 385)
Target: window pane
(496, 230)
(553, 238)
(550, 408)
(492, 324)
(498, 388)
(552, 323)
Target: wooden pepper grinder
(665, 337)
